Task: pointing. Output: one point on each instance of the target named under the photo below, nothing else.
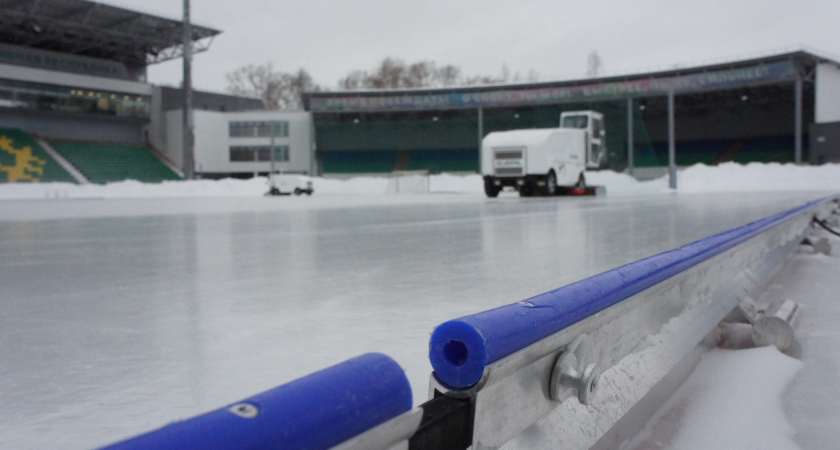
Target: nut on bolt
(589, 383)
(574, 374)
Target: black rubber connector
(827, 228)
(446, 425)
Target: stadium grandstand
(75, 104)
(757, 109)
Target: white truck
(537, 161)
(288, 184)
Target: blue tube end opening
(458, 354)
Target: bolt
(245, 410)
(588, 384)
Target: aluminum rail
(575, 367)
(461, 349)
(635, 324)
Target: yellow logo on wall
(26, 165)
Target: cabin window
(575, 122)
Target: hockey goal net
(408, 182)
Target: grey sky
(332, 37)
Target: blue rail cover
(315, 412)
(460, 349)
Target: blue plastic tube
(315, 412)
(460, 349)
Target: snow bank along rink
(728, 177)
(760, 398)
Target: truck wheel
(551, 184)
(581, 183)
(491, 189)
(298, 191)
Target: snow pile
(733, 177)
(438, 184)
(729, 177)
(228, 187)
(732, 400)
(621, 184)
(351, 186)
(457, 184)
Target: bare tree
(394, 73)
(277, 90)
(355, 80)
(421, 74)
(448, 75)
(593, 64)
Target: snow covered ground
(760, 398)
(732, 400)
(729, 177)
(127, 306)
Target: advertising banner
(591, 91)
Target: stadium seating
(767, 149)
(759, 149)
(359, 161)
(23, 160)
(454, 160)
(379, 161)
(103, 163)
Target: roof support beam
(97, 30)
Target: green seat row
(22, 160)
(104, 163)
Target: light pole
(273, 190)
(187, 119)
(672, 150)
(630, 136)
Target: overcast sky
(329, 38)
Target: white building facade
(239, 144)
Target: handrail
(460, 349)
(315, 412)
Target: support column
(313, 154)
(630, 136)
(271, 171)
(480, 134)
(797, 154)
(187, 119)
(672, 146)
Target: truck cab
(543, 161)
(593, 123)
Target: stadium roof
(769, 69)
(93, 29)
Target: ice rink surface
(119, 316)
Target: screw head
(245, 410)
(589, 384)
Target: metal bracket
(776, 327)
(574, 373)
